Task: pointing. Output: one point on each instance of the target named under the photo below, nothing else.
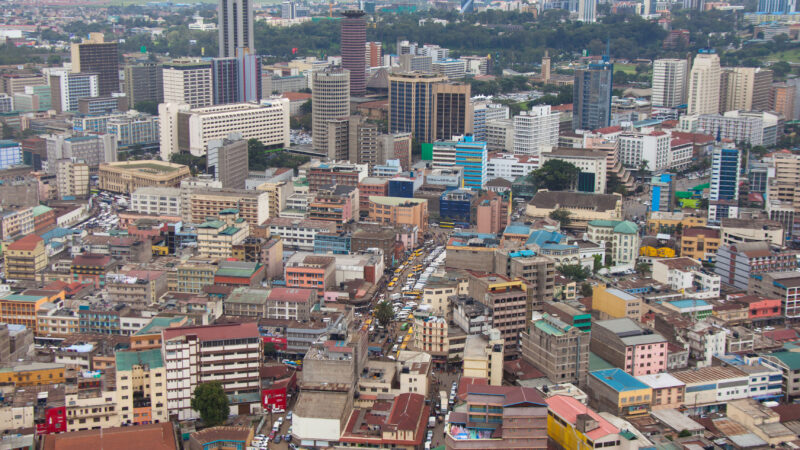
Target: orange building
(21, 309)
(399, 210)
(312, 272)
(783, 100)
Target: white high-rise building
(652, 148)
(330, 100)
(184, 129)
(483, 112)
(235, 27)
(704, 84)
(587, 10)
(535, 131)
(188, 82)
(669, 82)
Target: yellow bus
(391, 284)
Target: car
(289, 416)
(292, 446)
(280, 420)
(272, 435)
(430, 435)
(287, 438)
(278, 439)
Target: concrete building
(66, 88)
(236, 32)
(228, 161)
(72, 179)
(617, 392)
(483, 112)
(559, 350)
(536, 131)
(92, 150)
(653, 147)
(25, 258)
(508, 301)
(188, 82)
(704, 84)
(668, 391)
(330, 100)
(612, 303)
(483, 358)
(411, 104)
(216, 238)
(397, 210)
(621, 240)
(736, 264)
(299, 234)
(144, 82)
(745, 89)
(781, 285)
(94, 55)
(189, 130)
(592, 165)
(583, 207)
(452, 110)
(466, 153)
(670, 82)
(626, 345)
(159, 201)
(141, 386)
(126, 176)
(570, 424)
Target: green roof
(229, 211)
(790, 359)
(38, 210)
(23, 298)
(548, 328)
(230, 231)
(598, 363)
(212, 224)
(151, 358)
(241, 272)
(604, 223)
(248, 296)
(619, 226)
(157, 324)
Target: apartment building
(192, 277)
(617, 392)
(161, 201)
(230, 354)
(25, 258)
(700, 243)
(188, 82)
(508, 301)
(216, 238)
(141, 386)
(299, 234)
(483, 357)
(626, 345)
(252, 206)
(72, 179)
(558, 349)
(279, 193)
(612, 303)
(313, 272)
(397, 210)
(737, 263)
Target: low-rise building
(617, 392)
(572, 425)
(621, 239)
(626, 345)
(687, 276)
(612, 303)
(125, 177)
(25, 258)
(668, 391)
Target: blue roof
(517, 228)
(56, 233)
(618, 380)
(542, 237)
(522, 253)
(688, 303)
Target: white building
(535, 130)
(592, 165)
(705, 341)
(186, 130)
(453, 69)
(299, 234)
(483, 112)
(510, 167)
(704, 80)
(653, 147)
(157, 200)
(500, 135)
(188, 82)
(621, 239)
(669, 82)
(687, 276)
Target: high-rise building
(236, 79)
(224, 81)
(144, 82)
(363, 142)
(249, 74)
(67, 88)
(14, 83)
(587, 11)
(704, 84)
(100, 57)
(374, 54)
(560, 350)
(483, 112)
(354, 39)
(288, 10)
(235, 28)
(669, 82)
(467, 6)
(535, 130)
(228, 160)
(188, 82)
(591, 107)
(784, 98)
(411, 104)
(745, 89)
(452, 110)
(777, 6)
(189, 130)
(723, 199)
(472, 156)
(545, 73)
(330, 99)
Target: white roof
(675, 420)
(660, 380)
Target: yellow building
(617, 392)
(668, 222)
(399, 210)
(613, 303)
(141, 386)
(192, 277)
(21, 309)
(126, 176)
(565, 428)
(700, 243)
(216, 238)
(437, 294)
(31, 374)
(484, 359)
(583, 207)
(25, 258)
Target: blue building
(662, 192)
(592, 96)
(776, 6)
(723, 199)
(10, 154)
(456, 205)
(470, 155)
(332, 243)
(401, 187)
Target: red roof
(406, 411)
(91, 259)
(158, 436)
(215, 332)
(696, 138)
(783, 335)
(657, 133)
(466, 382)
(296, 295)
(608, 130)
(697, 231)
(788, 412)
(677, 142)
(27, 243)
(564, 107)
(568, 408)
(513, 395)
(296, 96)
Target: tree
(575, 272)
(147, 106)
(562, 216)
(269, 348)
(598, 263)
(555, 175)
(586, 290)
(210, 401)
(384, 313)
(642, 268)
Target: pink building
(313, 272)
(626, 345)
(492, 214)
(668, 391)
(336, 204)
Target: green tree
(269, 349)
(575, 272)
(147, 106)
(562, 216)
(197, 164)
(598, 263)
(642, 268)
(586, 290)
(555, 175)
(210, 401)
(384, 313)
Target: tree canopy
(562, 216)
(210, 401)
(384, 313)
(555, 175)
(574, 272)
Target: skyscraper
(592, 96)
(224, 85)
(188, 82)
(467, 6)
(411, 104)
(354, 40)
(235, 27)
(545, 74)
(535, 131)
(227, 160)
(745, 89)
(288, 10)
(452, 110)
(776, 6)
(330, 100)
(373, 54)
(669, 82)
(723, 199)
(67, 88)
(248, 72)
(144, 82)
(587, 11)
(704, 84)
(100, 57)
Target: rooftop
(577, 200)
(660, 380)
(618, 380)
(159, 436)
(150, 358)
(568, 408)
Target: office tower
(724, 190)
(288, 10)
(467, 6)
(67, 88)
(587, 11)
(330, 99)
(776, 6)
(14, 83)
(144, 82)
(34, 98)
(483, 112)
(453, 69)
(411, 104)
(72, 179)
(704, 84)
(466, 153)
(396, 146)
(535, 131)
(415, 63)
(354, 39)
(374, 54)
(248, 70)
(591, 107)
(669, 82)
(235, 27)
(745, 89)
(227, 161)
(545, 73)
(784, 97)
(363, 145)
(187, 130)
(100, 57)
(224, 81)
(188, 82)
(452, 110)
